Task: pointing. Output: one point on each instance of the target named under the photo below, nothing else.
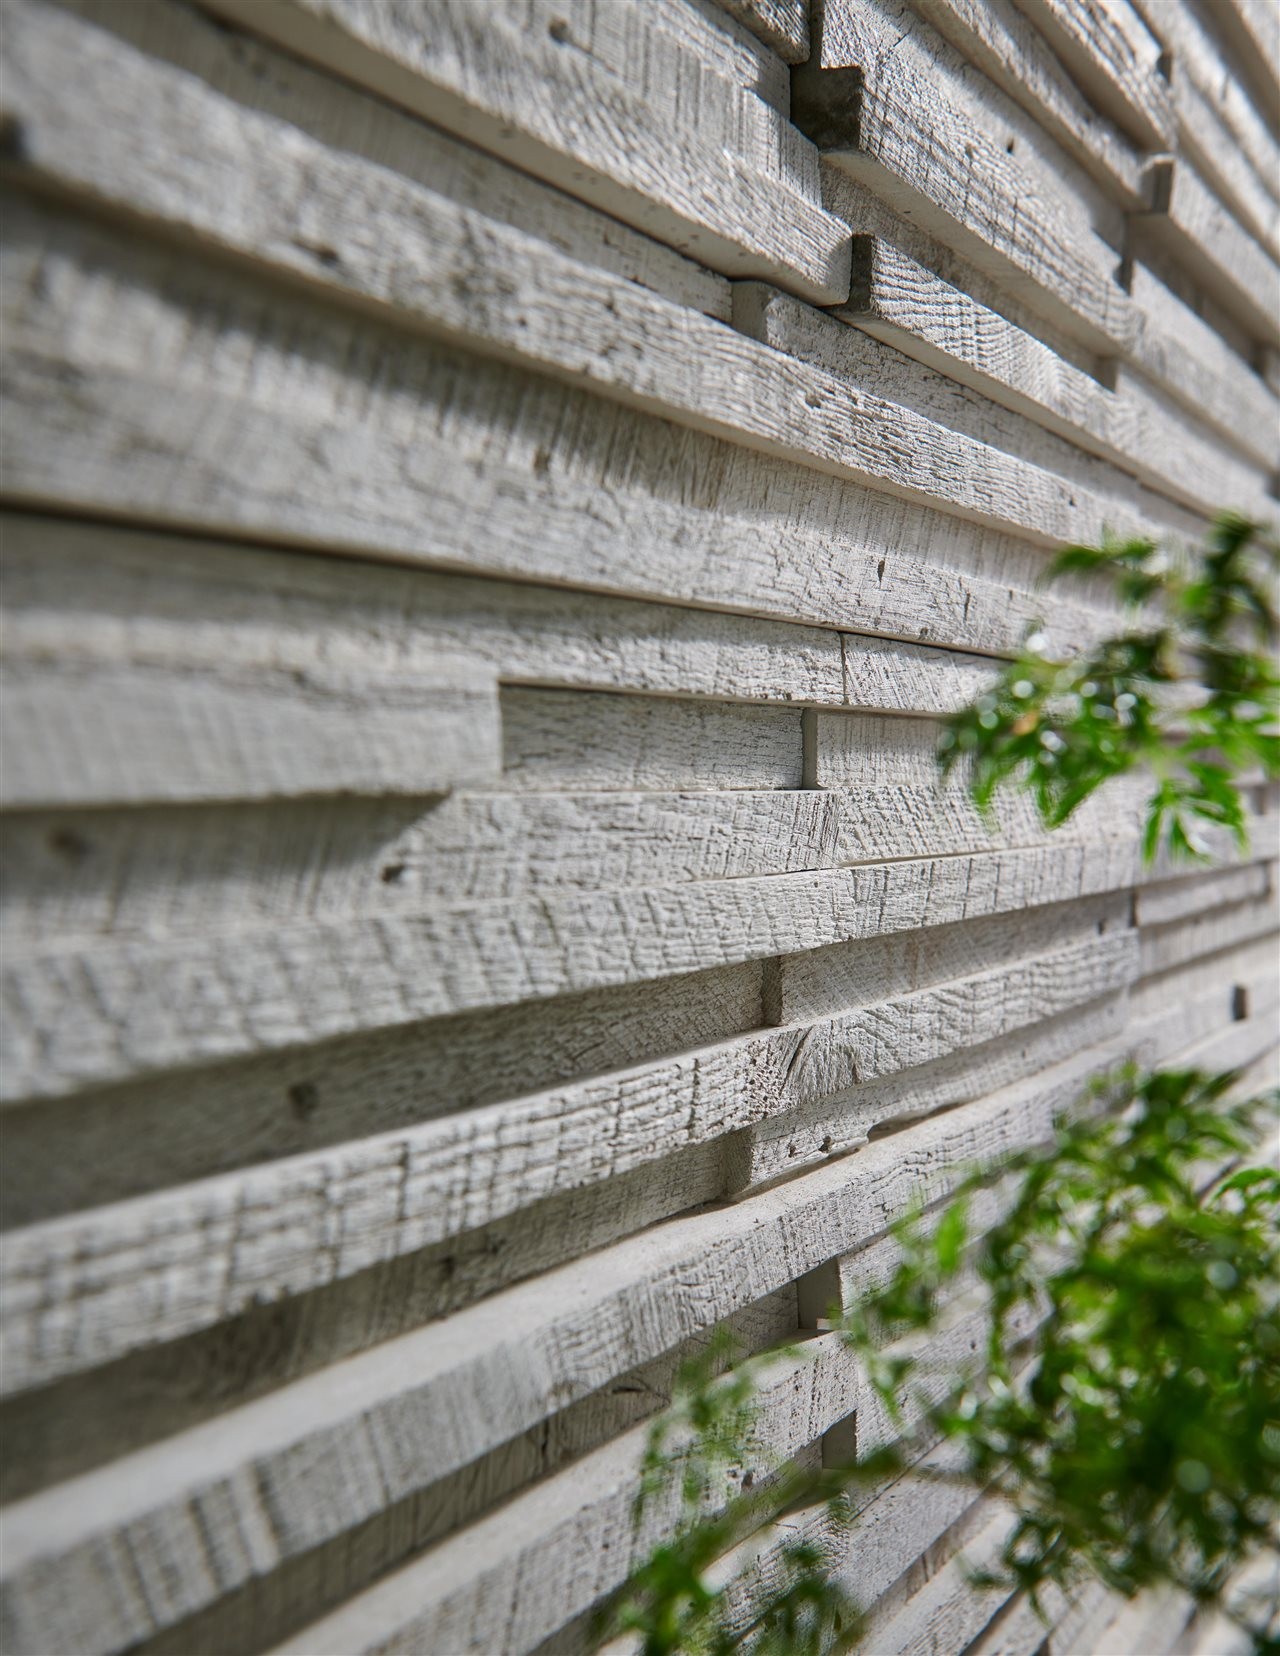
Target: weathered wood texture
(496, 499)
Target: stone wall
(498, 494)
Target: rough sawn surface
(496, 498)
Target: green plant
(1125, 1404)
(1126, 1400)
(1187, 692)
(694, 1455)
(1145, 1444)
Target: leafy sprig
(695, 1458)
(1188, 693)
(1146, 1446)
(1135, 1433)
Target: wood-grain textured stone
(496, 500)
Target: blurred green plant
(1126, 1401)
(1187, 692)
(1125, 1404)
(696, 1452)
(1144, 1445)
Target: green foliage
(1126, 1403)
(695, 1454)
(1144, 1445)
(1187, 693)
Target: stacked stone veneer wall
(498, 493)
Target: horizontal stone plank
(81, 734)
(1158, 1018)
(90, 1014)
(296, 135)
(865, 1557)
(497, 1582)
(1207, 140)
(783, 25)
(1192, 225)
(98, 1415)
(166, 1265)
(1241, 1046)
(901, 302)
(802, 1397)
(75, 1522)
(384, 859)
(414, 1408)
(949, 1607)
(1227, 999)
(79, 1016)
(1158, 904)
(820, 982)
(1002, 42)
(1115, 60)
(496, 847)
(915, 144)
(140, 592)
(305, 456)
(577, 742)
(1196, 366)
(1153, 1621)
(1181, 940)
(801, 1137)
(651, 355)
(1060, 485)
(609, 133)
(96, 734)
(1252, 30)
(925, 1509)
(1237, 138)
(1249, 966)
(298, 1100)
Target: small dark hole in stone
(1010, 147)
(1239, 1003)
(558, 29)
(748, 1478)
(303, 1098)
(67, 843)
(392, 874)
(826, 1145)
(13, 140)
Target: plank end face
(863, 272)
(1158, 184)
(826, 104)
